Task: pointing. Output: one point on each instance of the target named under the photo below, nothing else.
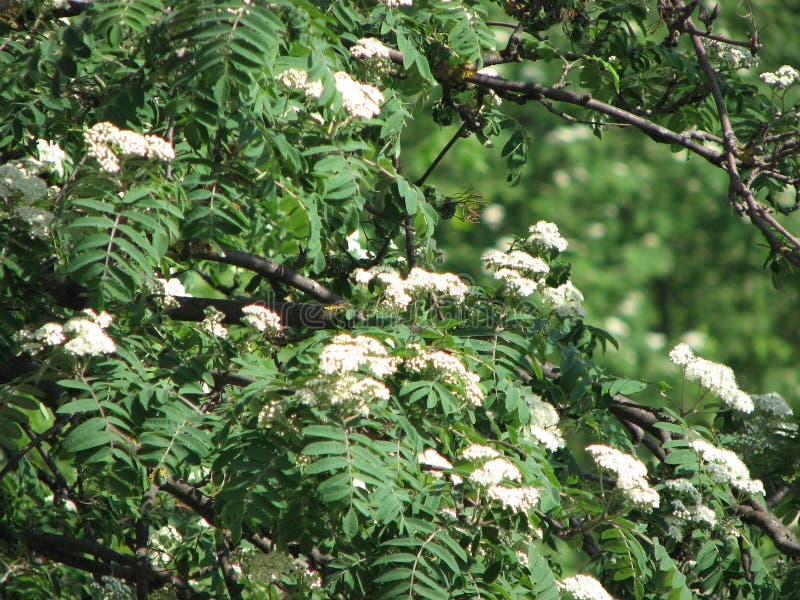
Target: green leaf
(87, 435)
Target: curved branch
(293, 314)
(755, 513)
(270, 270)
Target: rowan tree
(233, 368)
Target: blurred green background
(657, 251)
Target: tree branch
(293, 314)
(270, 270)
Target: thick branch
(271, 270)
(293, 314)
(755, 513)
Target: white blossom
(545, 236)
(725, 467)
(107, 142)
(87, 337)
(369, 48)
(478, 451)
(543, 426)
(432, 458)
(347, 354)
(681, 355)
(515, 283)
(516, 260)
(451, 370)
(391, 3)
(516, 499)
(772, 404)
(294, 79)
(783, 77)
(50, 153)
(213, 323)
(584, 587)
(631, 474)
(359, 99)
(399, 293)
(734, 56)
(495, 471)
(37, 220)
(262, 318)
(717, 378)
(349, 392)
(565, 300)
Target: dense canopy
(234, 367)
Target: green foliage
(402, 433)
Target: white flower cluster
(734, 56)
(584, 587)
(783, 77)
(348, 391)
(358, 99)
(392, 3)
(52, 156)
(166, 290)
(366, 48)
(294, 79)
(544, 423)
(521, 273)
(725, 467)
(339, 383)
(772, 404)
(107, 142)
(696, 513)
(545, 236)
(715, 377)
(20, 189)
(566, 300)
(515, 499)
(85, 335)
(347, 354)
(495, 471)
(450, 369)
(399, 293)
(631, 474)
(490, 475)
(478, 451)
(213, 323)
(262, 318)
(432, 458)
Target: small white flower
(681, 355)
(87, 338)
(213, 323)
(359, 99)
(783, 77)
(495, 471)
(262, 319)
(584, 587)
(369, 48)
(725, 467)
(631, 474)
(478, 451)
(432, 458)
(545, 236)
(565, 300)
(347, 354)
(516, 499)
(50, 153)
(107, 142)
